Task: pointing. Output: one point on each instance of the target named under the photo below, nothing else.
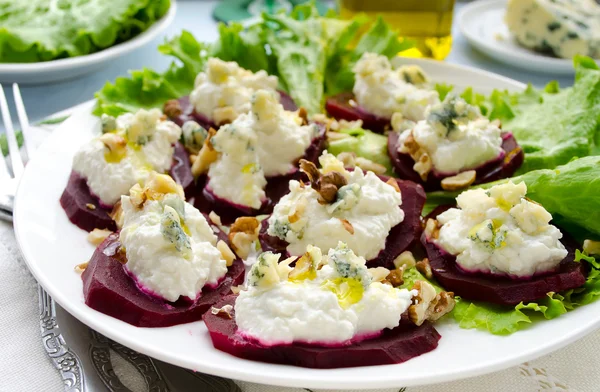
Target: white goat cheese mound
(171, 249)
(331, 305)
(564, 28)
(224, 90)
(149, 147)
(383, 91)
(370, 205)
(499, 231)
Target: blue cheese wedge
(563, 28)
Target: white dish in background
(52, 246)
(70, 68)
(482, 23)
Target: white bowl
(70, 68)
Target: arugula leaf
(363, 143)
(39, 30)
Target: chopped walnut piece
(379, 274)
(242, 235)
(193, 158)
(405, 260)
(226, 252)
(369, 165)
(137, 196)
(348, 159)
(172, 108)
(591, 247)
(97, 236)
(423, 166)
(424, 268)
(214, 218)
(206, 156)
(117, 214)
(459, 181)
(395, 277)
(432, 229)
(299, 209)
(113, 142)
(237, 289)
(428, 305)
(90, 206)
(79, 268)
(224, 115)
(303, 114)
(157, 185)
(310, 170)
(224, 312)
(347, 225)
(328, 185)
(394, 184)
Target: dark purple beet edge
(503, 290)
(108, 289)
(206, 201)
(403, 236)
(77, 195)
(190, 114)
(339, 107)
(490, 171)
(393, 346)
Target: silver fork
(93, 348)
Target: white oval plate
(70, 68)
(52, 246)
(482, 23)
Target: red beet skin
(77, 196)
(503, 290)
(108, 289)
(491, 171)
(206, 201)
(190, 114)
(340, 108)
(401, 237)
(393, 346)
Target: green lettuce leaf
(363, 143)
(39, 30)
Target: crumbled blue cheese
(381, 90)
(193, 136)
(336, 301)
(453, 137)
(564, 28)
(146, 144)
(500, 231)
(263, 143)
(170, 247)
(367, 204)
(224, 90)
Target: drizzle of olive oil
(428, 23)
(348, 290)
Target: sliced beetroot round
(188, 113)
(491, 171)
(393, 346)
(85, 211)
(403, 236)
(108, 289)
(344, 107)
(277, 186)
(503, 290)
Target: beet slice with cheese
(109, 289)
(502, 167)
(181, 110)
(404, 236)
(84, 209)
(501, 289)
(344, 107)
(393, 346)
(277, 186)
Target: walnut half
(326, 185)
(429, 305)
(242, 235)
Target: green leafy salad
(313, 56)
(43, 30)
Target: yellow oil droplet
(115, 156)
(249, 168)
(348, 290)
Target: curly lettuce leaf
(363, 143)
(39, 30)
